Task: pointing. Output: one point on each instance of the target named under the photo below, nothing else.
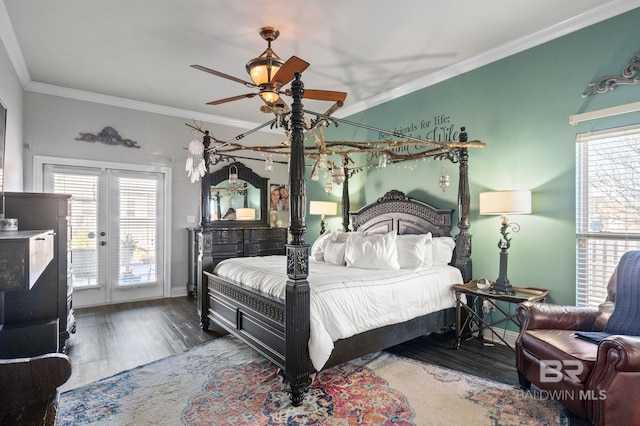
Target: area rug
(224, 382)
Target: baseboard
(508, 335)
(178, 291)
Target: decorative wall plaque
(109, 136)
(606, 84)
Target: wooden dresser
(218, 244)
(48, 304)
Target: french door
(117, 231)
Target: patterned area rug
(226, 383)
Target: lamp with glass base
(503, 203)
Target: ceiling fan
(269, 74)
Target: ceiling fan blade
(233, 98)
(286, 73)
(322, 95)
(223, 75)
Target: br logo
(552, 370)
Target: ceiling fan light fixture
(269, 96)
(263, 68)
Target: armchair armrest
(619, 352)
(535, 315)
(614, 381)
(30, 381)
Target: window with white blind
(138, 225)
(607, 207)
(83, 189)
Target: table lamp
(323, 208)
(505, 203)
(245, 214)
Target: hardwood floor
(114, 338)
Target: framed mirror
(234, 196)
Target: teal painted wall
(519, 106)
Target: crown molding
(505, 50)
(82, 95)
(8, 38)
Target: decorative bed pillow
(414, 251)
(340, 236)
(319, 245)
(442, 250)
(334, 252)
(375, 251)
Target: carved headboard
(395, 211)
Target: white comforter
(347, 301)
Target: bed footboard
(255, 318)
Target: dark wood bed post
(463, 239)
(298, 367)
(206, 260)
(345, 197)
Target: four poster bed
(267, 302)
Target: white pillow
(375, 251)
(412, 250)
(334, 253)
(340, 236)
(318, 247)
(442, 250)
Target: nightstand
(519, 295)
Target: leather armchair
(597, 381)
(29, 388)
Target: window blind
(607, 207)
(138, 224)
(84, 222)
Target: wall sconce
(503, 203)
(268, 163)
(443, 182)
(323, 208)
(233, 174)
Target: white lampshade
(245, 214)
(505, 202)
(328, 208)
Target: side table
(519, 295)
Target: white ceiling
(137, 53)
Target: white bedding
(347, 301)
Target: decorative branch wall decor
(109, 136)
(391, 150)
(606, 84)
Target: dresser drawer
(24, 255)
(226, 236)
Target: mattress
(348, 301)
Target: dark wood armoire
(41, 319)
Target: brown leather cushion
(562, 345)
(604, 312)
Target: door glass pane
(138, 224)
(84, 221)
